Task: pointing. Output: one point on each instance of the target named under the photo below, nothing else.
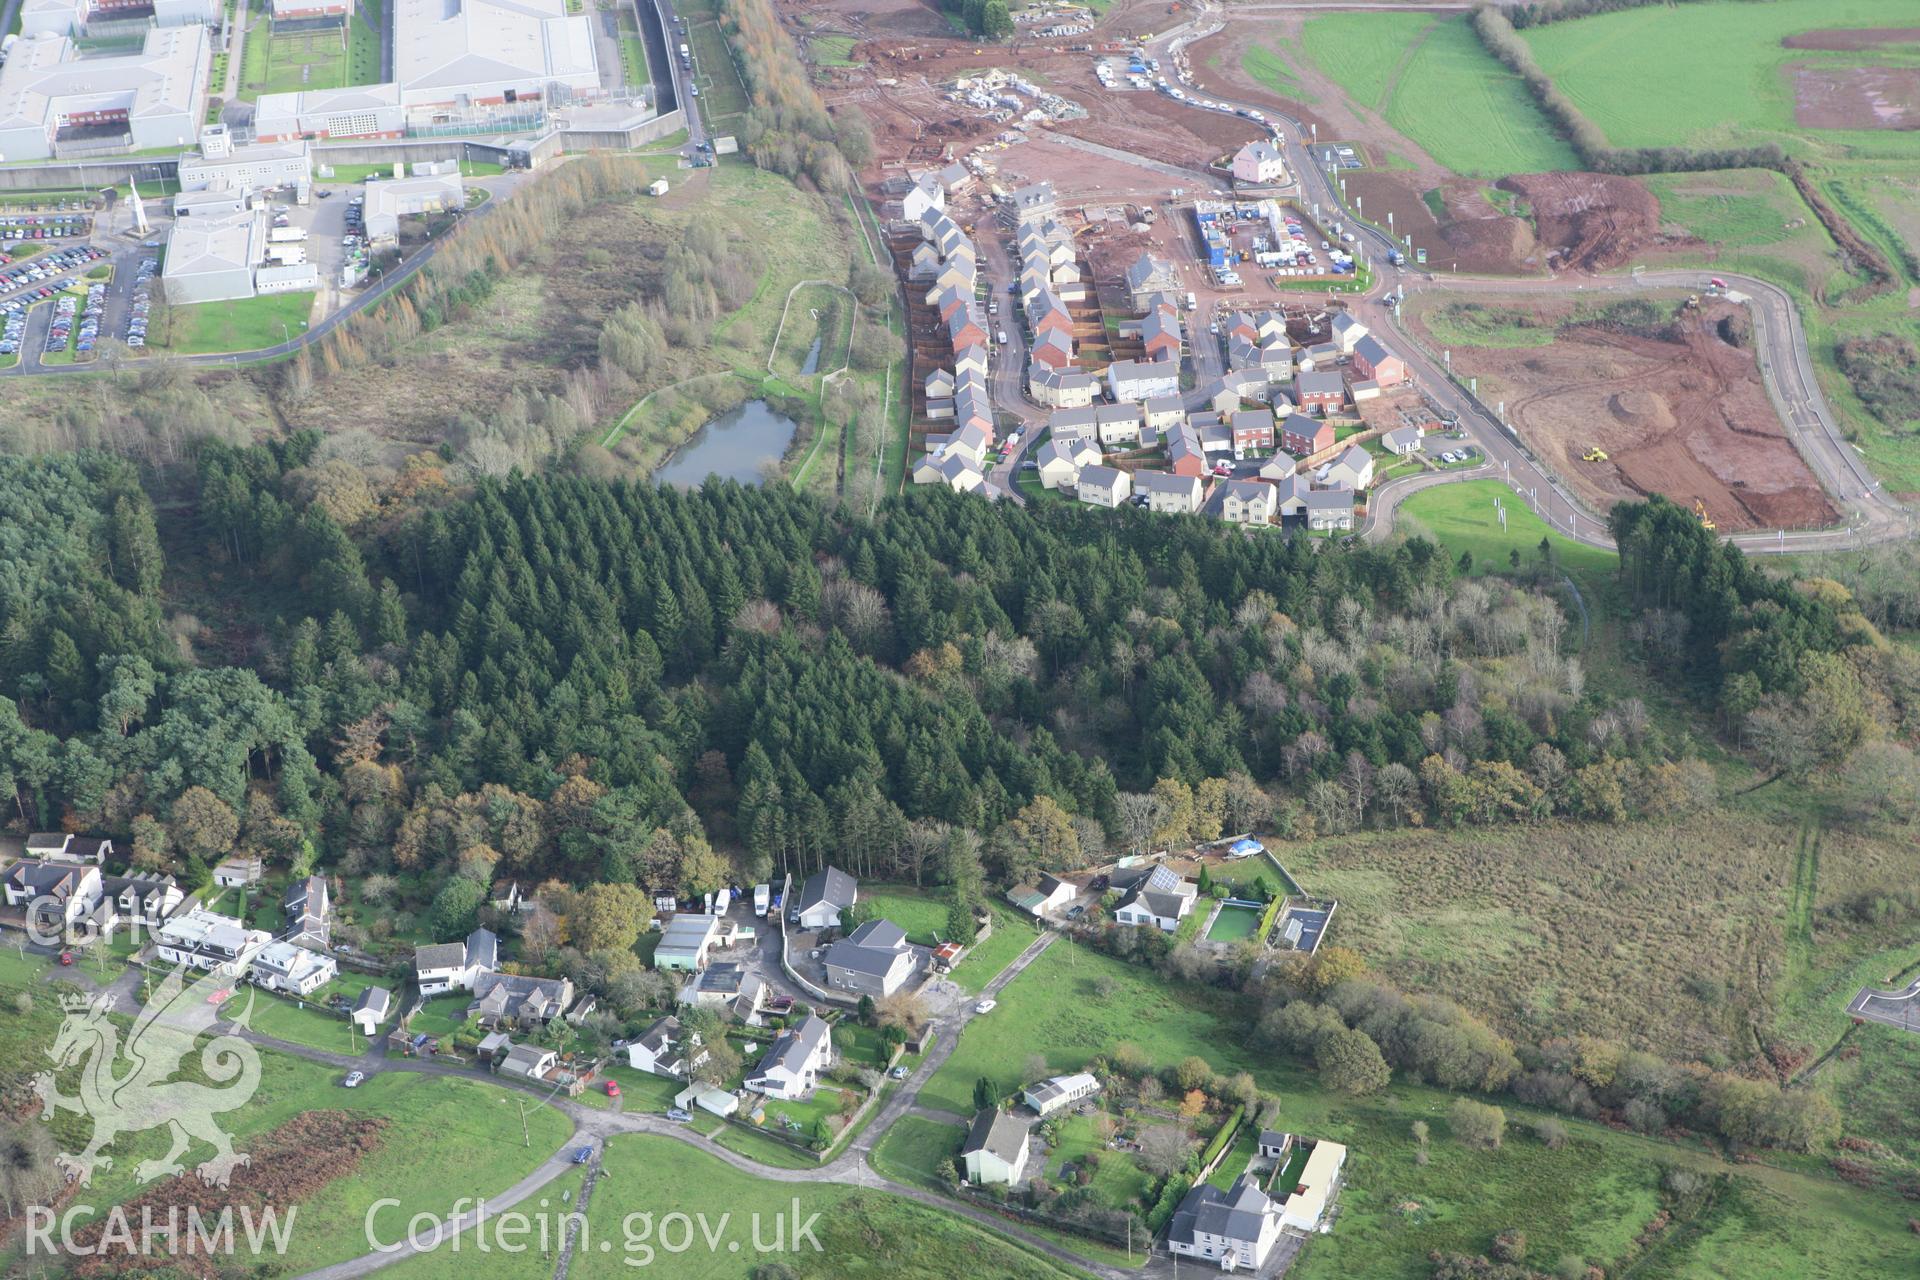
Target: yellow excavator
(1594, 454)
(1700, 513)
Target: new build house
(822, 897)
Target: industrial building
(53, 103)
(364, 111)
(224, 166)
(216, 257)
(397, 198)
(478, 53)
(70, 17)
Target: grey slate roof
(998, 1133)
(830, 884)
(1236, 1214)
(795, 1046)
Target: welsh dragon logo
(147, 1093)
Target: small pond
(734, 446)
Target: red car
(613, 1088)
(66, 957)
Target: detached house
(822, 897)
(1402, 442)
(1050, 894)
(1248, 502)
(1353, 469)
(1302, 436)
(52, 897)
(1149, 275)
(1062, 388)
(995, 1152)
(873, 960)
(1320, 391)
(455, 966)
(1347, 330)
(1375, 363)
(1252, 429)
(1104, 486)
(308, 909)
(1061, 461)
(663, 1050)
(1159, 898)
(1185, 454)
(794, 1063)
(1236, 1228)
(1168, 494)
(1330, 509)
(1259, 164)
(62, 846)
(510, 999)
(282, 966)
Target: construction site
(1619, 412)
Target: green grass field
(1363, 52)
(464, 1262)
(1270, 67)
(284, 1019)
(1714, 74)
(922, 914)
(721, 92)
(1013, 932)
(244, 324)
(1461, 517)
(816, 313)
(911, 1151)
(1470, 113)
(860, 1233)
(832, 51)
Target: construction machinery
(1700, 514)
(1594, 454)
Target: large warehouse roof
(44, 78)
(451, 46)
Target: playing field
(1720, 74)
(1233, 924)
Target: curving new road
(1786, 366)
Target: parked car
(613, 1088)
(898, 1073)
(353, 1079)
(582, 1154)
(678, 1115)
(986, 1006)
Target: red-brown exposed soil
(1856, 97)
(1686, 416)
(288, 1167)
(1588, 221)
(1852, 38)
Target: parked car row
(65, 308)
(142, 302)
(55, 226)
(13, 327)
(45, 268)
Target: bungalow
(455, 966)
(1303, 437)
(64, 846)
(1104, 486)
(1135, 380)
(238, 873)
(1353, 469)
(1252, 429)
(1149, 275)
(1402, 442)
(370, 1009)
(662, 1050)
(1248, 502)
(795, 1061)
(873, 960)
(1236, 1228)
(281, 966)
(1169, 494)
(1347, 330)
(1259, 164)
(1050, 894)
(995, 1152)
(685, 941)
(822, 897)
(1320, 391)
(202, 939)
(1185, 455)
(1060, 1092)
(528, 1062)
(1372, 361)
(1307, 1200)
(1159, 898)
(1062, 388)
(1163, 413)
(1060, 462)
(511, 999)
(1329, 509)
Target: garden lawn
(283, 1017)
(1012, 934)
(912, 1150)
(243, 324)
(1118, 1182)
(441, 1016)
(640, 1091)
(1056, 1008)
(1461, 517)
(921, 914)
(1714, 74)
(862, 1235)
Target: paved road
(1890, 1008)
(1786, 366)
